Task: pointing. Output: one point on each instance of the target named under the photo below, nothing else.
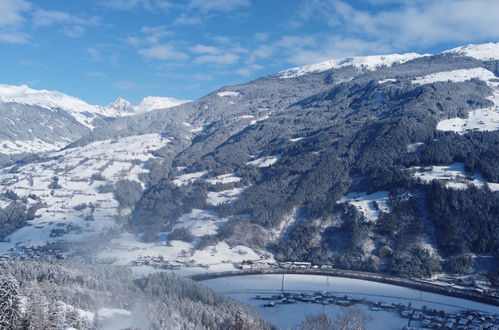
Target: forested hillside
(392, 168)
(60, 295)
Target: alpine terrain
(385, 164)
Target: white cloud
(410, 24)
(203, 49)
(73, 31)
(94, 53)
(222, 59)
(261, 36)
(14, 37)
(11, 20)
(162, 52)
(51, 17)
(12, 12)
(185, 19)
(132, 4)
(218, 5)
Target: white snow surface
(224, 196)
(245, 288)
(361, 62)
(484, 52)
(453, 176)
(200, 222)
(156, 102)
(384, 81)
(127, 248)
(366, 203)
(227, 93)
(113, 159)
(486, 119)
(78, 108)
(264, 161)
(188, 178)
(35, 145)
(224, 178)
(455, 76)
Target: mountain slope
(388, 168)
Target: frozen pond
(246, 287)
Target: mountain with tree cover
(387, 164)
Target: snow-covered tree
(10, 313)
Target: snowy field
(77, 209)
(453, 175)
(486, 119)
(245, 288)
(35, 145)
(370, 205)
(264, 161)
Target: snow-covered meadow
(454, 176)
(486, 119)
(76, 208)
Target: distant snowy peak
(484, 52)
(156, 102)
(361, 62)
(83, 112)
(118, 108)
(43, 98)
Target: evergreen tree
(10, 315)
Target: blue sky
(99, 50)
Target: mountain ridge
(392, 170)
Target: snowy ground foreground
(482, 119)
(453, 175)
(227, 93)
(245, 288)
(264, 161)
(114, 160)
(371, 205)
(35, 146)
(361, 62)
(114, 318)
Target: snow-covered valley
(246, 288)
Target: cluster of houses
(51, 250)
(424, 318)
(158, 262)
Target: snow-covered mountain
(336, 164)
(360, 62)
(121, 107)
(484, 52)
(34, 121)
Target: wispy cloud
(162, 52)
(221, 59)
(184, 19)
(409, 24)
(133, 4)
(218, 5)
(51, 17)
(12, 18)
